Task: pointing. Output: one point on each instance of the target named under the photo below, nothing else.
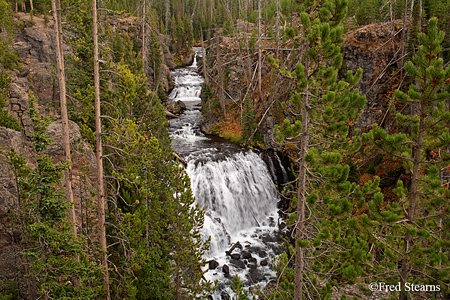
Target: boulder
(226, 270)
(246, 254)
(188, 59)
(235, 256)
(262, 253)
(176, 107)
(255, 275)
(168, 58)
(212, 264)
(237, 263)
(224, 296)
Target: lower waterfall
(238, 190)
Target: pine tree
(248, 120)
(58, 258)
(412, 231)
(316, 136)
(156, 241)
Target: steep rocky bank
(368, 47)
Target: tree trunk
(420, 16)
(205, 73)
(144, 48)
(292, 8)
(404, 38)
(301, 196)
(413, 195)
(277, 37)
(259, 52)
(167, 3)
(220, 83)
(392, 15)
(99, 146)
(63, 104)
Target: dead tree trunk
(420, 16)
(99, 151)
(301, 196)
(144, 48)
(404, 38)
(220, 83)
(259, 51)
(277, 37)
(205, 73)
(167, 3)
(63, 104)
(392, 15)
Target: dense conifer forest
(97, 204)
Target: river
(235, 187)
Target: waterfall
(283, 170)
(188, 84)
(236, 189)
(238, 192)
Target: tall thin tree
(322, 108)
(277, 37)
(63, 104)
(144, 42)
(205, 72)
(259, 51)
(99, 151)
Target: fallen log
(237, 244)
(180, 159)
(170, 115)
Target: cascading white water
(238, 190)
(283, 171)
(188, 85)
(234, 187)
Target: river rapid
(235, 187)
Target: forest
(239, 149)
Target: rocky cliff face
(368, 48)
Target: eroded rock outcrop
(368, 47)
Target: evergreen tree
(248, 120)
(316, 135)
(411, 232)
(155, 241)
(237, 288)
(158, 245)
(59, 261)
(154, 56)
